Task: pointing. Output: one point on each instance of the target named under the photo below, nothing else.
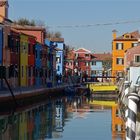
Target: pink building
(38, 32)
(132, 57)
(69, 64)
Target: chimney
(4, 8)
(114, 34)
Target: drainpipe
(133, 100)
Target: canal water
(64, 118)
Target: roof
(4, 2)
(133, 48)
(132, 36)
(27, 27)
(82, 50)
(103, 56)
(55, 39)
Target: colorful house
(82, 61)
(119, 46)
(38, 64)
(69, 62)
(31, 60)
(14, 45)
(101, 64)
(51, 62)
(132, 57)
(23, 60)
(44, 64)
(132, 65)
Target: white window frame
(121, 62)
(119, 46)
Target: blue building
(60, 58)
(1, 43)
(38, 64)
(100, 65)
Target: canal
(64, 118)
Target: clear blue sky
(81, 12)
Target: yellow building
(23, 60)
(119, 46)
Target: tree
(53, 34)
(24, 21)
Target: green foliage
(53, 34)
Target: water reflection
(60, 118)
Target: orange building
(119, 46)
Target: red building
(82, 61)
(31, 60)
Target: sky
(82, 23)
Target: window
(86, 55)
(93, 62)
(87, 64)
(41, 54)
(76, 63)
(58, 68)
(58, 60)
(29, 71)
(119, 61)
(29, 49)
(119, 46)
(137, 58)
(35, 53)
(93, 72)
(76, 55)
(134, 44)
(22, 71)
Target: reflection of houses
(119, 46)
(118, 126)
(23, 126)
(59, 117)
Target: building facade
(38, 64)
(14, 45)
(23, 60)
(119, 46)
(82, 61)
(31, 60)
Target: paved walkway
(23, 90)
